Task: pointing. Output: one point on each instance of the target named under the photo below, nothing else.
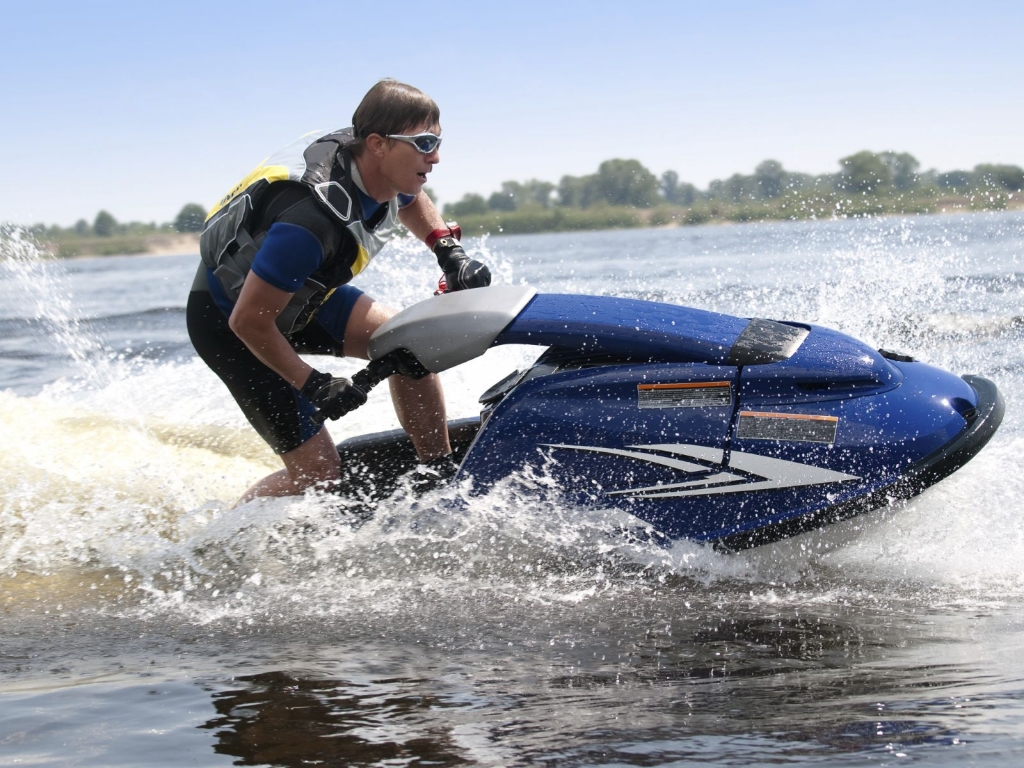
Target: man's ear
(376, 144)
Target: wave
(138, 494)
(1012, 282)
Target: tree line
(189, 219)
(627, 183)
(624, 193)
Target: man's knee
(315, 461)
(311, 477)
(366, 317)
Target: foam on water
(128, 469)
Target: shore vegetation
(106, 236)
(623, 194)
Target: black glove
(333, 396)
(460, 271)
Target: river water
(146, 622)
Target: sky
(138, 108)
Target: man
(278, 252)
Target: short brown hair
(391, 107)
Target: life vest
(228, 242)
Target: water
(145, 622)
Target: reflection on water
(278, 719)
(641, 675)
(627, 685)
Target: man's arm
(424, 221)
(421, 217)
(253, 321)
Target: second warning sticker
(754, 425)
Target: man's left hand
(460, 271)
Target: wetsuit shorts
(276, 410)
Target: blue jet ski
(719, 429)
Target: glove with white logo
(460, 271)
(333, 396)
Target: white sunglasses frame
(411, 139)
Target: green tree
(902, 167)
(574, 191)
(501, 201)
(190, 218)
(104, 225)
(537, 191)
(864, 172)
(957, 181)
(508, 198)
(736, 189)
(513, 195)
(676, 192)
(81, 227)
(806, 182)
(471, 203)
(1008, 177)
(771, 178)
(626, 182)
(669, 185)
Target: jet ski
(727, 430)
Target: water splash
(137, 491)
(37, 288)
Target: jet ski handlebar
(399, 361)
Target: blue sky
(139, 108)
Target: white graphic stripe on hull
(761, 473)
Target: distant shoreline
(188, 243)
(535, 220)
(130, 245)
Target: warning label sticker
(754, 425)
(688, 395)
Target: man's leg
(268, 402)
(419, 403)
(315, 461)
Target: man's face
(405, 167)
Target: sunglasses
(424, 142)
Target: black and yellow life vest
(322, 163)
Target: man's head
(391, 155)
(391, 107)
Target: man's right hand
(333, 396)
